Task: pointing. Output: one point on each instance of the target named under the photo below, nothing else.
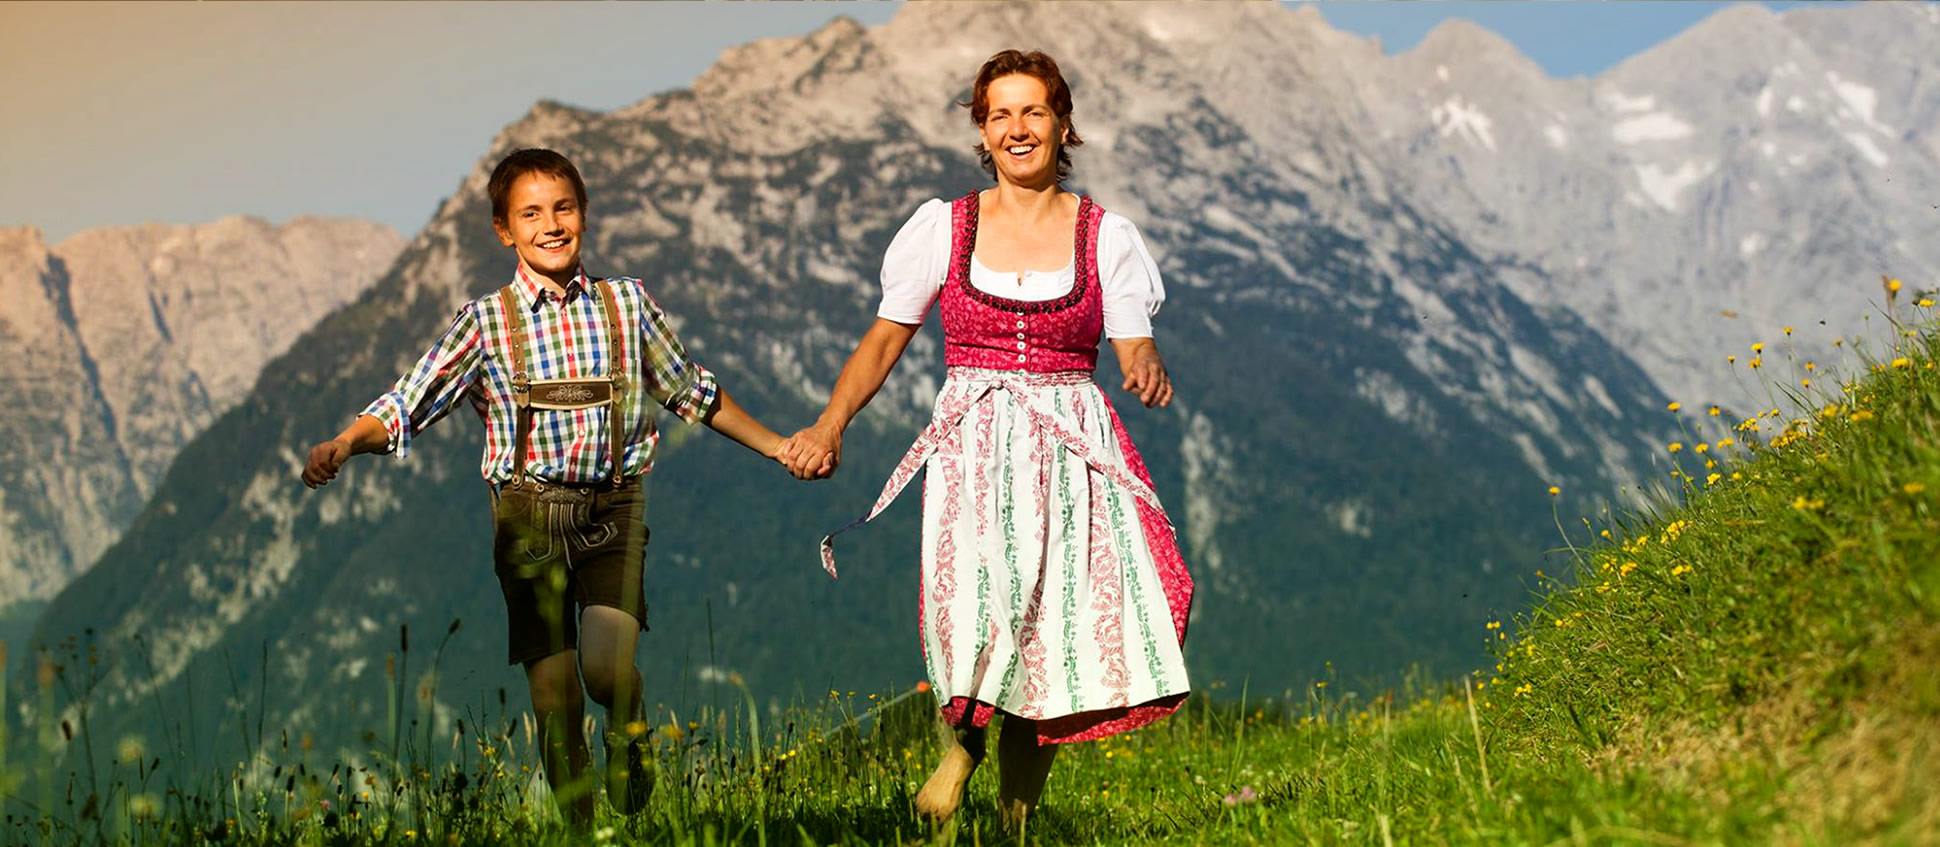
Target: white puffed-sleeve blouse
(918, 262)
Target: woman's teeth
(1021, 149)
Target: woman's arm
(1138, 359)
(815, 451)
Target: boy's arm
(364, 435)
(680, 385)
(729, 419)
(422, 397)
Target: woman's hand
(812, 453)
(1145, 376)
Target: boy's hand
(325, 460)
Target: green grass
(1755, 659)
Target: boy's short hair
(527, 161)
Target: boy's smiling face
(543, 222)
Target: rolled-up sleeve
(424, 395)
(679, 384)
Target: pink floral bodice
(983, 330)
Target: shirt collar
(532, 292)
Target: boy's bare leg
(943, 793)
(608, 638)
(1022, 767)
(560, 709)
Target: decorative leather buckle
(560, 394)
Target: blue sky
(124, 113)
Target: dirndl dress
(1052, 584)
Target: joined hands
(812, 453)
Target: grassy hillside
(1758, 660)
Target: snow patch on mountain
(1663, 186)
(1654, 126)
(1456, 116)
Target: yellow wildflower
(1925, 303)
(1553, 491)
(1807, 505)
(1712, 479)
(1902, 362)
(1727, 441)
(1758, 347)
(1756, 363)
(1862, 415)
(1892, 285)
(1809, 366)
(1731, 360)
(1914, 487)
(1674, 406)
(1676, 446)
(1805, 383)
(1680, 570)
(1701, 447)
(1714, 411)
(1788, 330)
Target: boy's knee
(562, 700)
(604, 685)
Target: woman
(1052, 587)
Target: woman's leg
(559, 707)
(1022, 767)
(607, 640)
(943, 793)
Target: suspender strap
(521, 382)
(616, 371)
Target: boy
(551, 363)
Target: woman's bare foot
(939, 798)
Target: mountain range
(1400, 310)
(138, 338)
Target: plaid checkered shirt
(567, 340)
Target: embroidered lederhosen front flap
(567, 394)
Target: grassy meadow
(1754, 659)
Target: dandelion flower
(1925, 303)
(1680, 570)
(1712, 479)
(1756, 363)
(1914, 487)
(1805, 383)
(1676, 446)
(1902, 362)
(1861, 416)
(1758, 347)
(1714, 411)
(1788, 330)
(1553, 491)
(1701, 447)
(1809, 366)
(1674, 406)
(1892, 285)
(1733, 359)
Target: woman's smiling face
(1021, 131)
